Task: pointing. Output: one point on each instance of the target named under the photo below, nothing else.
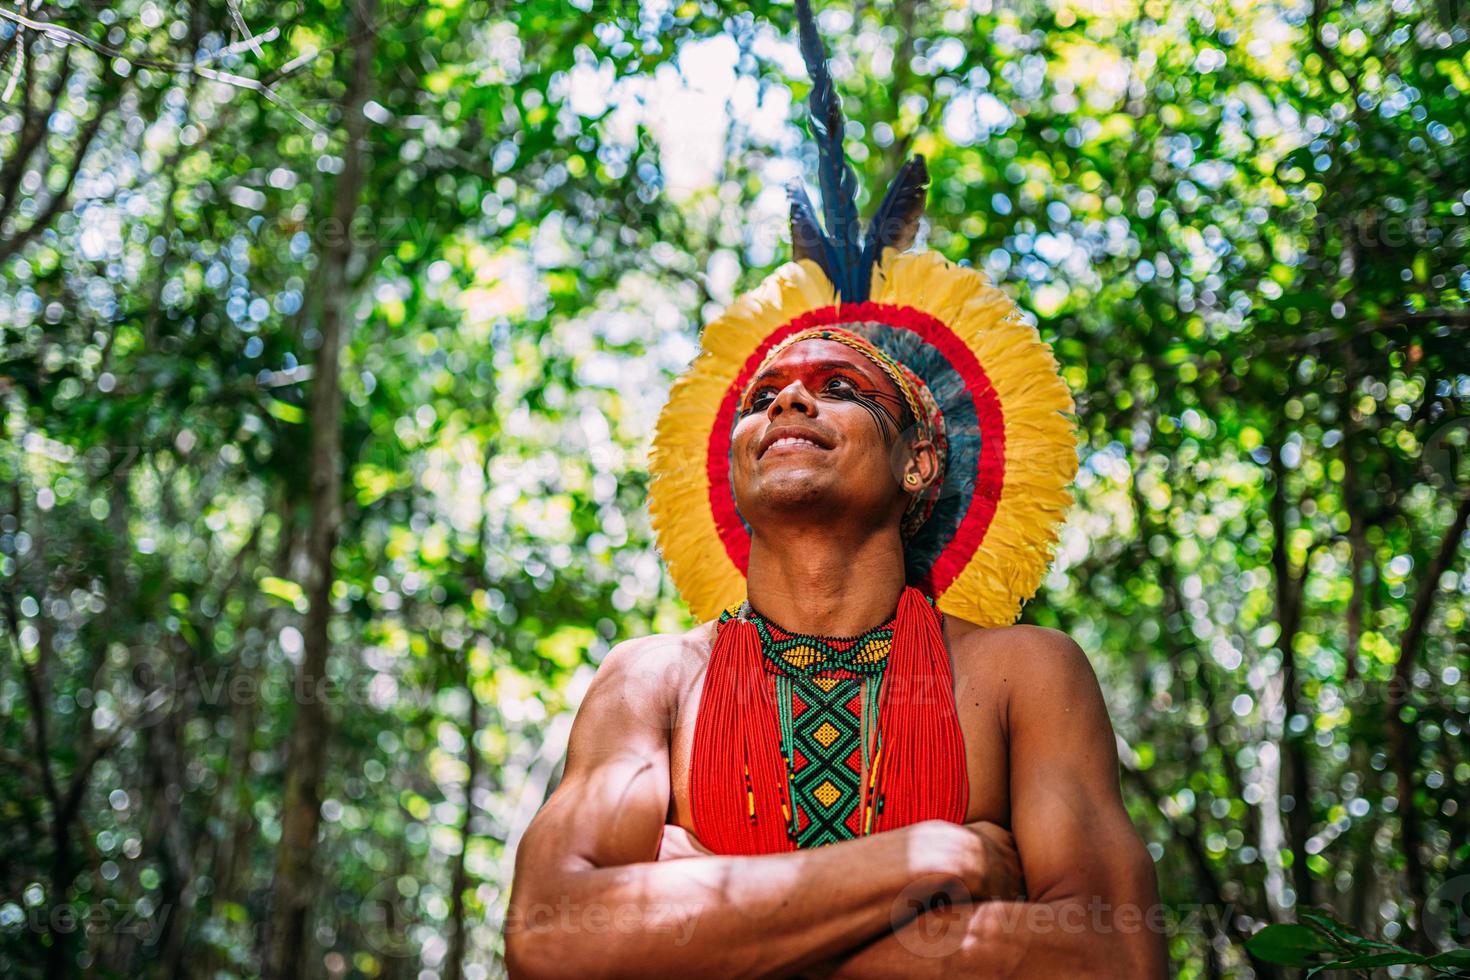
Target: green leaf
(1289, 944)
(1336, 930)
(1403, 957)
(1453, 959)
(285, 411)
(1340, 932)
(285, 590)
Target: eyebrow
(820, 365)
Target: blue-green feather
(896, 221)
(807, 239)
(835, 175)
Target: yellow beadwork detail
(872, 780)
(826, 735)
(871, 651)
(826, 794)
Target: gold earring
(911, 479)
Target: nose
(792, 397)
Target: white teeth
(792, 441)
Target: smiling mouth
(789, 442)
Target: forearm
(767, 915)
(1015, 939)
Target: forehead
(818, 353)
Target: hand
(978, 861)
(679, 843)
(1000, 876)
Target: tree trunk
(1289, 593)
(1403, 738)
(60, 955)
(1357, 530)
(295, 879)
(454, 969)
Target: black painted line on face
(866, 398)
(879, 411)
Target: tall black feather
(807, 239)
(837, 181)
(896, 221)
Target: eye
(759, 400)
(837, 385)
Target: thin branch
(33, 130)
(5, 48)
(66, 36)
(35, 694)
(1429, 587)
(1357, 538)
(240, 81)
(61, 198)
(244, 29)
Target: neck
(815, 581)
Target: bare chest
(979, 698)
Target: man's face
(818, 428)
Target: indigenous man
(857, 766)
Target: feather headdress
(987, 538)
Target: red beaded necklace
(740, 779)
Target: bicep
(609, 807)
(1073, 835)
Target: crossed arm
(590, 898)
(1092, 905)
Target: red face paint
(843, 375)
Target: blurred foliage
(1322, 944)
(1242, 225)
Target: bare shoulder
(632, 703)
(1026, 663)
(1030, 651)
(656, 666)
(660, 647)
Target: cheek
(867, 451)
(746, 431)
(859, 428)
(743, 442)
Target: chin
(793, 491)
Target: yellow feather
(1041, 443)
(678, 496)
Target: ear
(920, 468)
